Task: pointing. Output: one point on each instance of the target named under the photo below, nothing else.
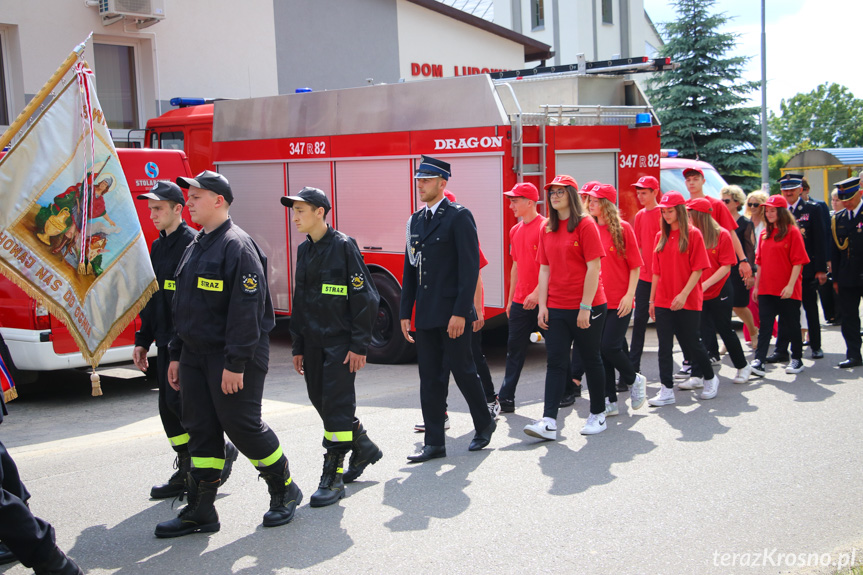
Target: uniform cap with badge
(600, 190)
(312, 196)
(432, 168)
(164, 191)
(562, 180)
(207, 180)
(648, 182)
(790, 182)
(847, 189)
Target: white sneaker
(545, 428)
(743, 374)
(692, 383)
(421, 427)
(494, 408)
(595, 424)
(611, 408)
(638, 392)
(711, 388)
(796, 366)
(664, 397)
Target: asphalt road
(773, 465)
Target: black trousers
(481, 365)
(563, 332)
(330, 384)
(639, 323)
(829, 303)
(208, 413)
(849, 304)
(813, 319)
(170, 406)
(437, 352)
(613, 351)
(716, 319)
(31, 539)
(685, 325)
(522, 322)
(788, 311)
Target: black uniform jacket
(335, 299)
(443, 282)
(222, 303)
(156, 320)
(811, 224)
(847, 264)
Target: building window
(537, 14)
(117, 85)
(607, 15)
(4, 99)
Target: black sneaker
(621, 386)
(577, 392)
(567, 400)
(715, 360)
(795, 366)
(684, 372)
(758, 368)
(507, 406)
(778, 357)
(817, 354)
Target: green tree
(701, 104)
(827, 117)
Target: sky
(809, 42)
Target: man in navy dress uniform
(847, 265)
(440, 275)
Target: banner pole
(40, 97)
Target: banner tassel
(10, 394)
(95, 382)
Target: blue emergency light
(183, 102)
(302, 90)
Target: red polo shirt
(646, 227)
(775, 260)
(524, 243)
(566, 254)
(615, 269)
(721, 255)
(674, 269)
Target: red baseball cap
(562, 180)
(600, 190)
(691, 169)
(647, 182)
(524, 190)
(777, 201)
(449, 195)
(699, 205)
(672, 199)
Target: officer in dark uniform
(440, 275)
(220, 355)
(335, 306)
(825, 291)
(814, 273)
(25, 537)
(165, 202)
(847, 265)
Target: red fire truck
(40, 342)
(361, 146)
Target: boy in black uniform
(165, 202)
(847, 265)
(219, 355)
(334, 308)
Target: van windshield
(672, 179)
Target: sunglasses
(754, 205)
(553, 193)
(726, 201)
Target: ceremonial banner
(69, 233)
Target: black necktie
(428, 215)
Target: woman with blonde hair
(755, 212)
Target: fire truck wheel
(388, 344)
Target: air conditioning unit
(144, 12)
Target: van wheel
(388, 344)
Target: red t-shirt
(674, 269)
(722, 215)
(524, 243)
(775, 260)
(615, 269)
(721, 255)
(646, 227)
(566, 254)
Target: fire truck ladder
(518, 144)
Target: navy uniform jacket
(335, 299)
(157, 324)
(443, 282)
(848, 263)
(811, 224)
(222, 303)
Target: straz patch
(170, 285)
(358, 282)
(250, 283)
(210, 285)
(331, 289)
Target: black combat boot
(199, 516)
(363, 452)
(331, 488)
(176, 485)
(57, 564)
(285, 497)
(231, 454)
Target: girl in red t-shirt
(572, 304)
(679, 259)
(717, 288)
(619, 272)
(781, 256)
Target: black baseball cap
(312, 196)
(165, 191)
(207, 180)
